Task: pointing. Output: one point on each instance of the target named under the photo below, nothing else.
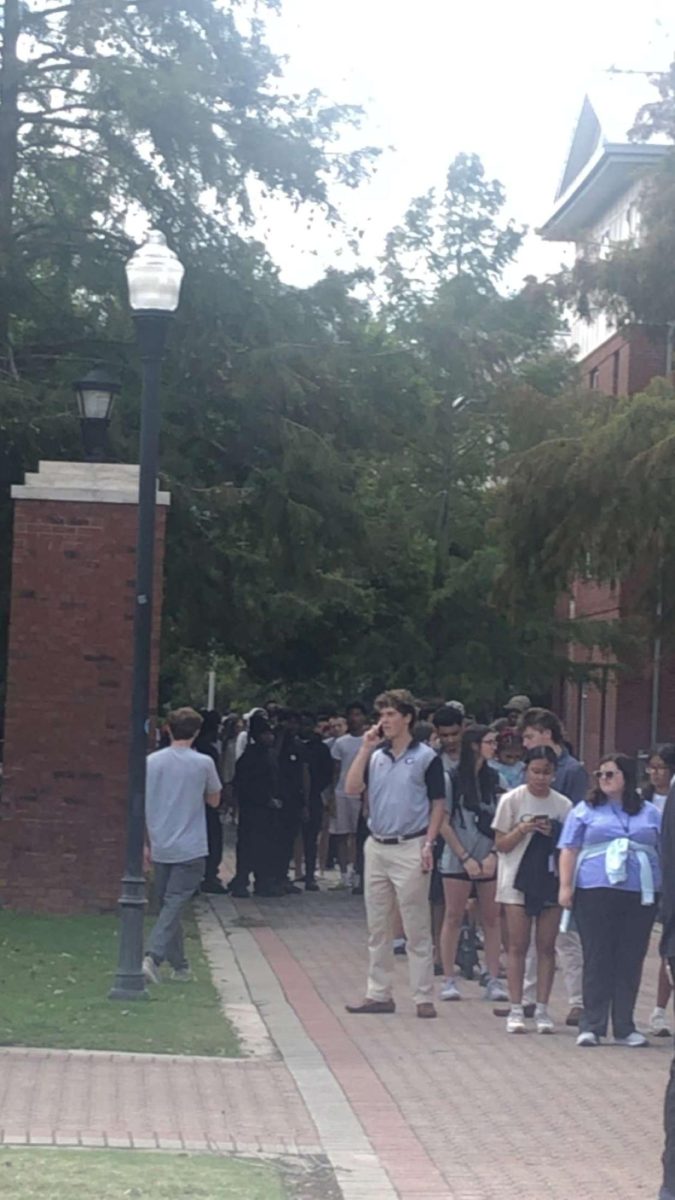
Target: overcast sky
(502, 79)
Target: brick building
(596, 206)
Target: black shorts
(467, 878)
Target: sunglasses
(605, 774)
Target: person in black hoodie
(255, 783)
(320, 766)
(667, 949)
(207, 743)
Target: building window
(615, 372)
(594, 379)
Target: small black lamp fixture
(95, 397)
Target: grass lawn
(55, 973)
(112, 1174)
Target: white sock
(517, 1010)
(658, 1012)
(541, 1010)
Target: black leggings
(614, 926)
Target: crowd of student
(517, 835)
(442, 823)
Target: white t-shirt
(512, 808)
(344, 750)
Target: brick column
(63, 812)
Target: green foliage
(332, 467)
(597, 504)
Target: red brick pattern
(514, 1118)
(67, 718)
(81, 1098)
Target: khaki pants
(394, 874)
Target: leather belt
(394, 841)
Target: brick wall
(63, 811)
(617, 716)
(626, 362)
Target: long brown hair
(631, 800)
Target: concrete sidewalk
(400, 1107)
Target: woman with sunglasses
(660, 770)
(610, 874)
(469, 858)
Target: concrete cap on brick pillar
(97, 483)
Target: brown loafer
(573, 1016)
(372, 1006)
(426, 1011)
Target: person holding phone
(530, 813)
(610, 875)
(406, 805)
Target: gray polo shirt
(401, 789)
(178, 781)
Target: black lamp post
(154, 277)
(95, 397)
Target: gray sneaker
(495, 991)
(150, 970)
(181, 975)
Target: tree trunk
(9, 135)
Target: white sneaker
(450, 991)
(544, 1023)
(588, 1039)
(635, 1040)
(150, 970)
(495, 991)
(515, 1022)
(340, 886)
(659, 1024)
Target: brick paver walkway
(152, 1101)
(405, 1109)
(456, 1107)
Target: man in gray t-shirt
(179, 783)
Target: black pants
(361, 835)
(614, 926)
(257, 839)
(668, 1159)
(214, 833)
(290, 818)
(311, 828)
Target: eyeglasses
(662, 768)
(605, 774)
(488, 741)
